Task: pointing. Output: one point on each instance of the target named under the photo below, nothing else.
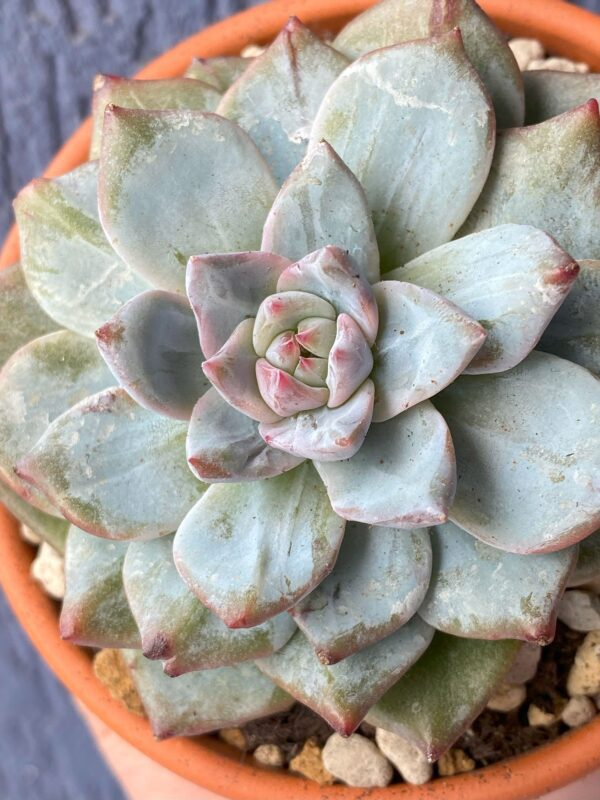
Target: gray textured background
(49, 53)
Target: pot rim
(206, 761)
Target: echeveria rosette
(318, 450)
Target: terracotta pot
(565, 30)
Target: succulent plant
(281, 401)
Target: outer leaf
(574, 332)
(378, 583)
(343, 693)
(151, 346)
(395, 21)
(224, 445)
(174, 93)
(480, 592)
(322, 203)
(203, 701)
(549, 93)
(277, 97)
(528, 452)
(51, 529)
(569, 172)
(219, 72)
(424, 342)
(452, 682)
(511, 279)
(193, 158)
(350, 361)
(115, 469)
(226, 288)
(71, 269)
(423, 177)
(39, 382)
(252, 550)
(176, 627)
(327, 434)
(21, 319)
(287, 395)
(588, 561)
(95, 611)
(403, 476)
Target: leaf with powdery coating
(574, 331)
(50, 529)
(549, 93)
(167, 93)
(528, 454)
(511, 279)
(439, 697)
(174, 625)
(481, 592)
(395, 21)
(21, 319)
(37, 384)
(151, 346)
(378, 583)
(424, 342)
(343, 693)
(277, 97)
(224, 445)
(423, 177)
(404, 475)
(588, 561)
(350, 361)
(322, 203)
(252, 550)
(568, 206)
(71, 269)
(283, 311)
(225, 288)
(203, 701)
(194, 158)
(95, 611)
(220, 71)
(115, 469)
(285, 394)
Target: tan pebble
(29, 536)
(356, 761)
(48, 569)
(455, 761)
(578, 711)
(235, 737)
(309, 762)
(580, 610)
(558, 65)
(584, 676)
(111, 670)
(252, 50)
(526, 50)
(412, 765)
(507, 698)
(538, 718)
(271, 755)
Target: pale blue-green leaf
(174, 184)
(549, 93)
(569, 172)
(49, 528)
(21, 319)
(403, 476)
(343, 693)
(444, 691)
(424, 342)
(203, 701)
(151, 346)
(167, 93)
(252, 550)
(322, 203)
(528, 454)
(588, 561)
(37, 384)
(224, 445)
(423, 177)
(95, 611)
(395, 21)
(326, 434)
(71, 269)
(285, 394)
(574, 332)
(220, 71)
(174, 625)
(481, 592)
(511, 279)
(115, 469)
(350, 361)
(283, 311)
(277, 97)
(378, 583)
(226, 288)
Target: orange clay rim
(206, 761)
